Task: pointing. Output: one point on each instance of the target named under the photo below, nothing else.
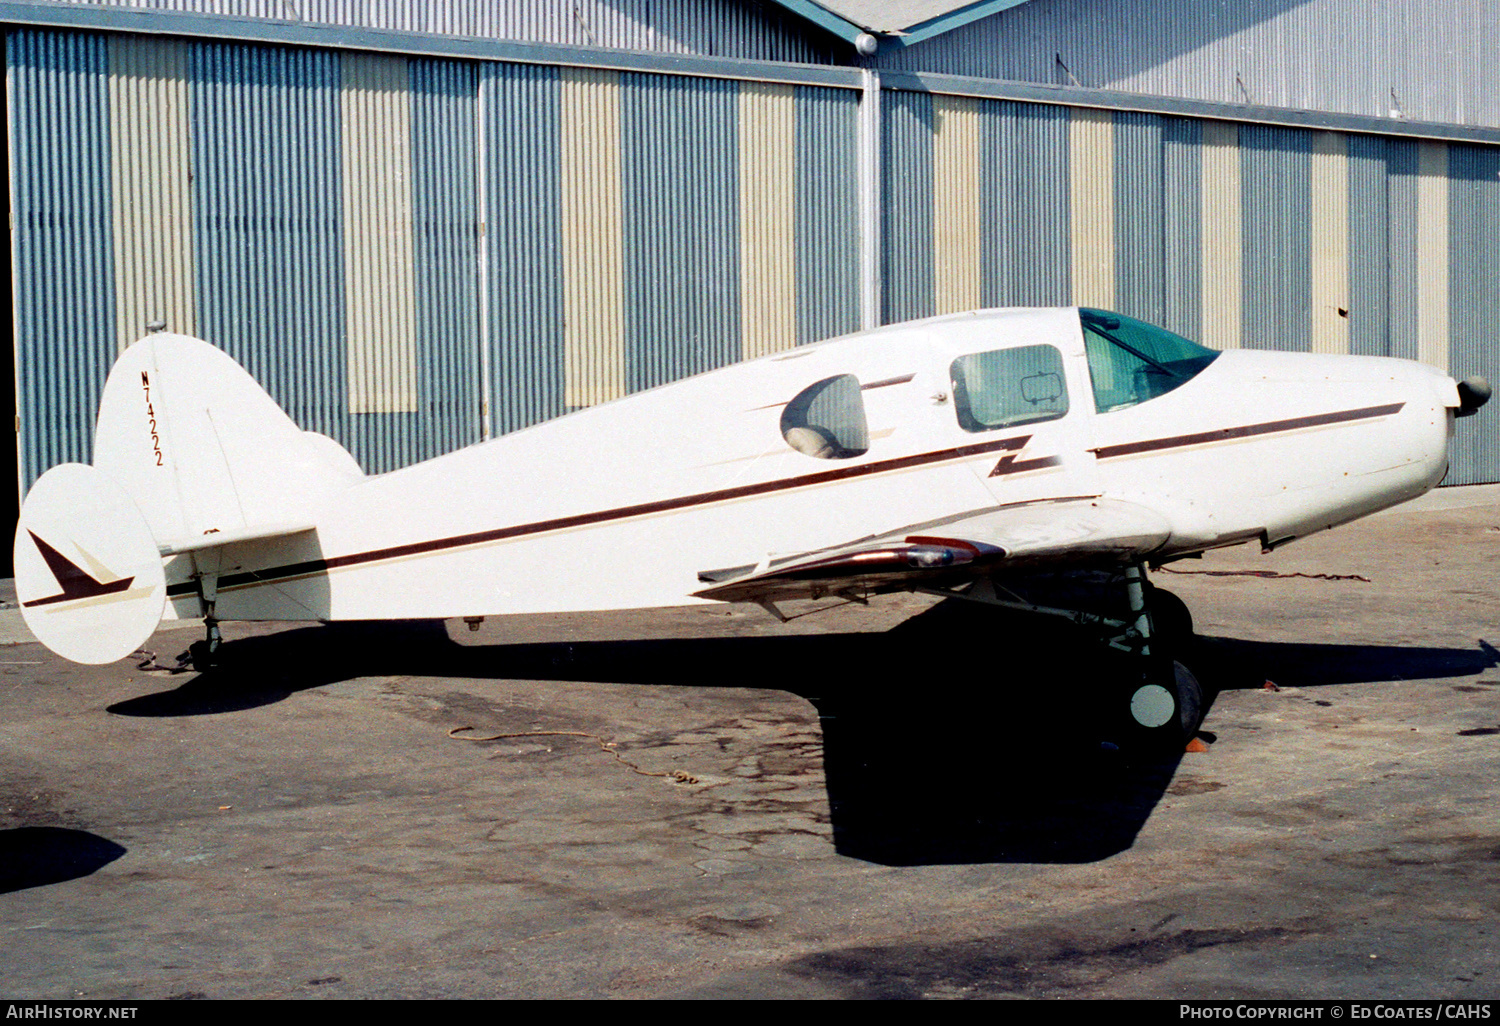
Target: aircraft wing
(1053, 533)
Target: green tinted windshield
(1131, 361)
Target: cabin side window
(1008, 386)
(827, 420)
(1131, 361)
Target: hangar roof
(901, 21)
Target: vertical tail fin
(202, 449)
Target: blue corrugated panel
(444, 193)
(1182, 255)
(1140, 238)
(680, 181)
(64, 271)
(1023, 204)
(1474, 303)
(267, 225)
(521, 104)
(1401, 240)
(906, 276)
(827, 213)
(1369, 247)
(1275, 213)
(1158, 238)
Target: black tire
(203, 660)
(1161, 708)
(1171, 620)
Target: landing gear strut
(1155, 703)
(205, 654)
(1163, 701)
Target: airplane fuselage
(624, 504)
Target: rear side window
(1008, 386)
(1131, 361)
(827, 420)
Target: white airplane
(940, 456)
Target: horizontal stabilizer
(88, 578)
(214, 539)
(1051, 534)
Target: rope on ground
(1266, 573)
(676, 776)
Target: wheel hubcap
(1152, 705)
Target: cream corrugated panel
(1330, 242)
(1091, 192)
(1222, 256)
(955, 204)
(593, 262)
(768, 210)
(1432, 254)
(151, 208)
(375, 101)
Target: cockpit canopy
(1131, 361)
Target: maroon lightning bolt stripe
(76, 582)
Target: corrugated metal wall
(1371, 57)
(1474, 311)
(415, 254)
(63, 258)
(753, 29)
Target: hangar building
(422, 223)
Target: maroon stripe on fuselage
(1249, 431)
(316, 566)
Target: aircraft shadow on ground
(37, 856)
(964, 735)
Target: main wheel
(1171, 621)
(1162, 707)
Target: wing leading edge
(1053, 533)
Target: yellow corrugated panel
(151, 207)
(1330, 242)
(1432, 254)
(955, 204)
(375, 102)
(1222, 255)
(768, 254)
(593, 264)
(1091, 192)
